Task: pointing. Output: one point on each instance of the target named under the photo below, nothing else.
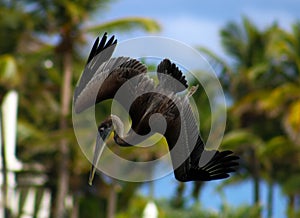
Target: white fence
(22, 201)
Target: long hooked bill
(100, 144)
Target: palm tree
(263, 82)
(246, 46)
(9, 72)
(284, 101)
(65, 21)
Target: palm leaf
(125, 24)
(216, 60)
(291, 185)
(8, 71)
(237, 138)
(277, 99)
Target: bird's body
(181, 130)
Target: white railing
(20, 201)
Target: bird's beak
(100, 143)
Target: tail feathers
(219, 167)
(168, 68)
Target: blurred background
(254, 47)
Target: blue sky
(197, 23)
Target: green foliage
(168, 211)
(125, 24)
(37, 66)
(243, 211)
(9, 77)
(135, 208)
(195, 211)
(92, 207)
(237, 138)
(263, 84)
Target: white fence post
(9, 121)
(9, 110)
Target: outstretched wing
(183, 132)
(166, 71)
(151, 99)
(103, 75)
(100, 52)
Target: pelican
(101, 79)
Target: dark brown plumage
(106, 75)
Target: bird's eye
(101, 129)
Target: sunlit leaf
(240, 138)
(256, 71)
(8, 71)
(292, 184)
(125, 24)
(278, 98)
(294, 116)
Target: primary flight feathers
(102, 78)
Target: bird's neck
(118, 126)
(120, 141)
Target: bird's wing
(94, 85)
(166, 71)
(157, 99)
(183, 132)
(141, 91)
(100, 52)
(106, 79)
(88, 95)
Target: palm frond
(126, 24)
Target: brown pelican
(101, 79)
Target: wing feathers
(100, 47)
(218, 167)
(100, 53)
(182, 129)
(170, 69)
(124, 66)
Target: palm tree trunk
(256, 191)
(178, 200)
(270, 199)
(198, 185)
(291, 206)
(75, 209)
(63, 173)
(112, 201)
(256, 178)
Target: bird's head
(104, 131)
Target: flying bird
(102, 78)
